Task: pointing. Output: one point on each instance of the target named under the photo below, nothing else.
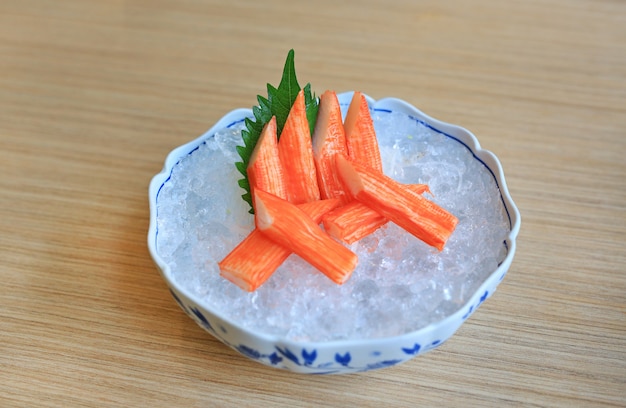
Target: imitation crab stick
(265, 171)
(289, 226)
(417, 215)
(256, 258)
(361, 139)
(356, 220)
(296, 155)
(329, 139)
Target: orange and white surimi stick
(296, 155)
(329, 140)
(414, 213)
(289, 226)
(356, 220)
(265, 171)
(256, 258)
(361, 139)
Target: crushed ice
(400, 284)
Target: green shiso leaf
(278, 103)
(312, 106)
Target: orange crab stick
(256, 258)
(356, 220)
(329, 139)
(289, 226)
(296, 155)
(361, 139)
(417, 215)
(265, 171)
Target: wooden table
(93, 95)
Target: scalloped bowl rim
(447, 325)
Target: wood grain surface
(94, 94)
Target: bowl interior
(332, 355)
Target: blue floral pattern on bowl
(338, 357)
(305, 358)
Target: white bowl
(342, 356)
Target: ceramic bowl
(345, 356)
